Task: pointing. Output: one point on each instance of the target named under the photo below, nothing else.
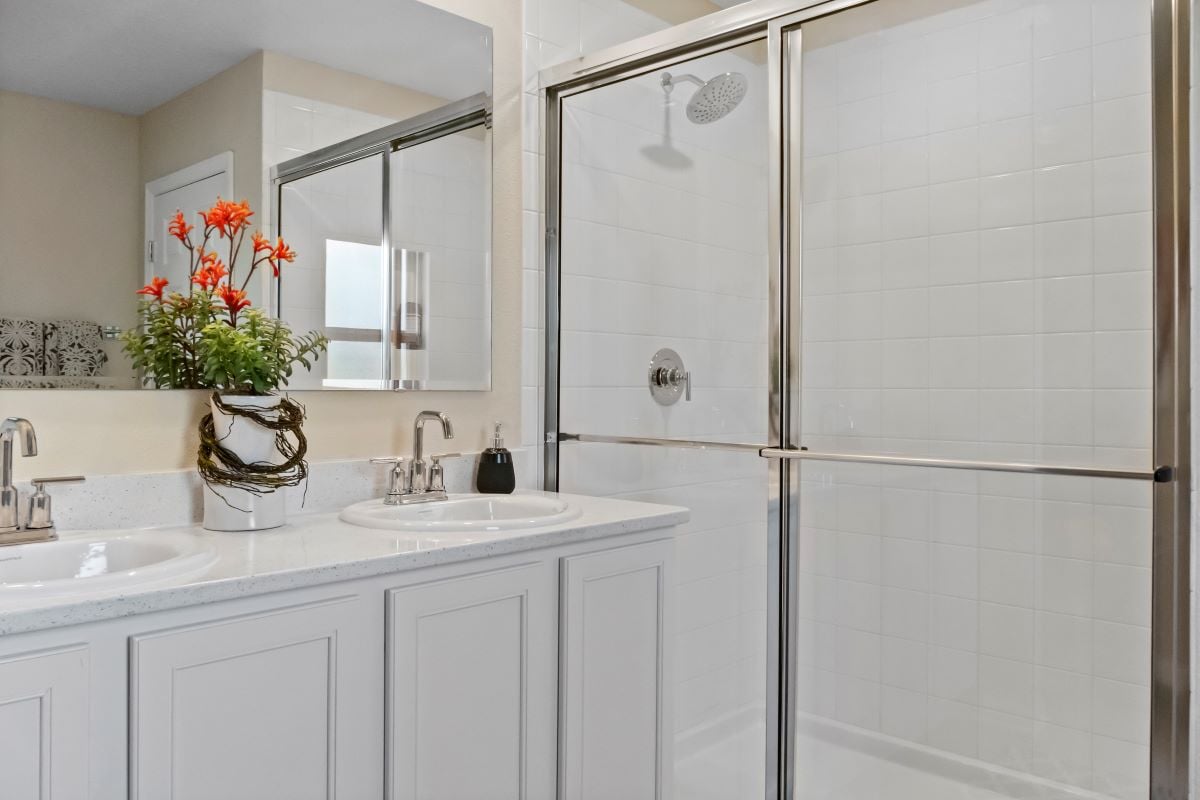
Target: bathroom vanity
(327, 659)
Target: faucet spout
(418, 465)
(419, 430)
(23, 430)
(10, 428)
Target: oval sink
(96, 563)
(467, 512)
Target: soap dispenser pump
(496, 474)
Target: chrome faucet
(10, 519)
(418, 465)
(410, 481)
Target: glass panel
(977, 232)
(720, 600)
(334, 221)
(972, 635)
(976, 284)
(664, 245)
(441, 231)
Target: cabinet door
(615, 718)
(260, 706)
(44, 718)
(471, 687)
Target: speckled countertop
(311, 550)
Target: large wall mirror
(361, 133)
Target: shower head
(714, 99)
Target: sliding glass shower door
(975, 281)
(887, 293)
(664, 248)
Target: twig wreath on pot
(251, 442)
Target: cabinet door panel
(471, 687)
(44, 717)
(615, 730)
(249, 707)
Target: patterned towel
(74, 348)
(22, 347)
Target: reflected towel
(22, 347)
(74, 348)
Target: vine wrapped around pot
(212, 338)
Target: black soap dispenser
(496, 474)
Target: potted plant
(251, 442)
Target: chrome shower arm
(669, 79)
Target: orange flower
(179, 227)
(261, 243)
(227, 217)
(234, 299)
(154, 288)
(208, 276)
(281, 252)
(239, 215)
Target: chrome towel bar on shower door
(1160, 474)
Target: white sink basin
(464, 513)
(89, 563)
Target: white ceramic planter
(244, 511)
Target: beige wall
(110, 432)
(223, 113)
(316, 81)
(70, 212)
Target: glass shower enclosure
(888, 294)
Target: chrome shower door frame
(777, 22)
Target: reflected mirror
(363, 138)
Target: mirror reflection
(363, 138)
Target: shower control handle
(669, 379)
(673, 377)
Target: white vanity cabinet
(268, 704)
(531, 675)
(471, 686)
(44, 728)
(615, 717)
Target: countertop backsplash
(174, 498)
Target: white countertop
(317, 549)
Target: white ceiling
(133, 55)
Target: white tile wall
(977, 285)
(555, 31)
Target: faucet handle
(399, 478)
(39, 517)
(437, 475)
(39, 482)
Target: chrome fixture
(437, 476)
(408, 481)
(668, 378)
(40, 528)
(10, 521)
(715, 98)
(39, 525)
